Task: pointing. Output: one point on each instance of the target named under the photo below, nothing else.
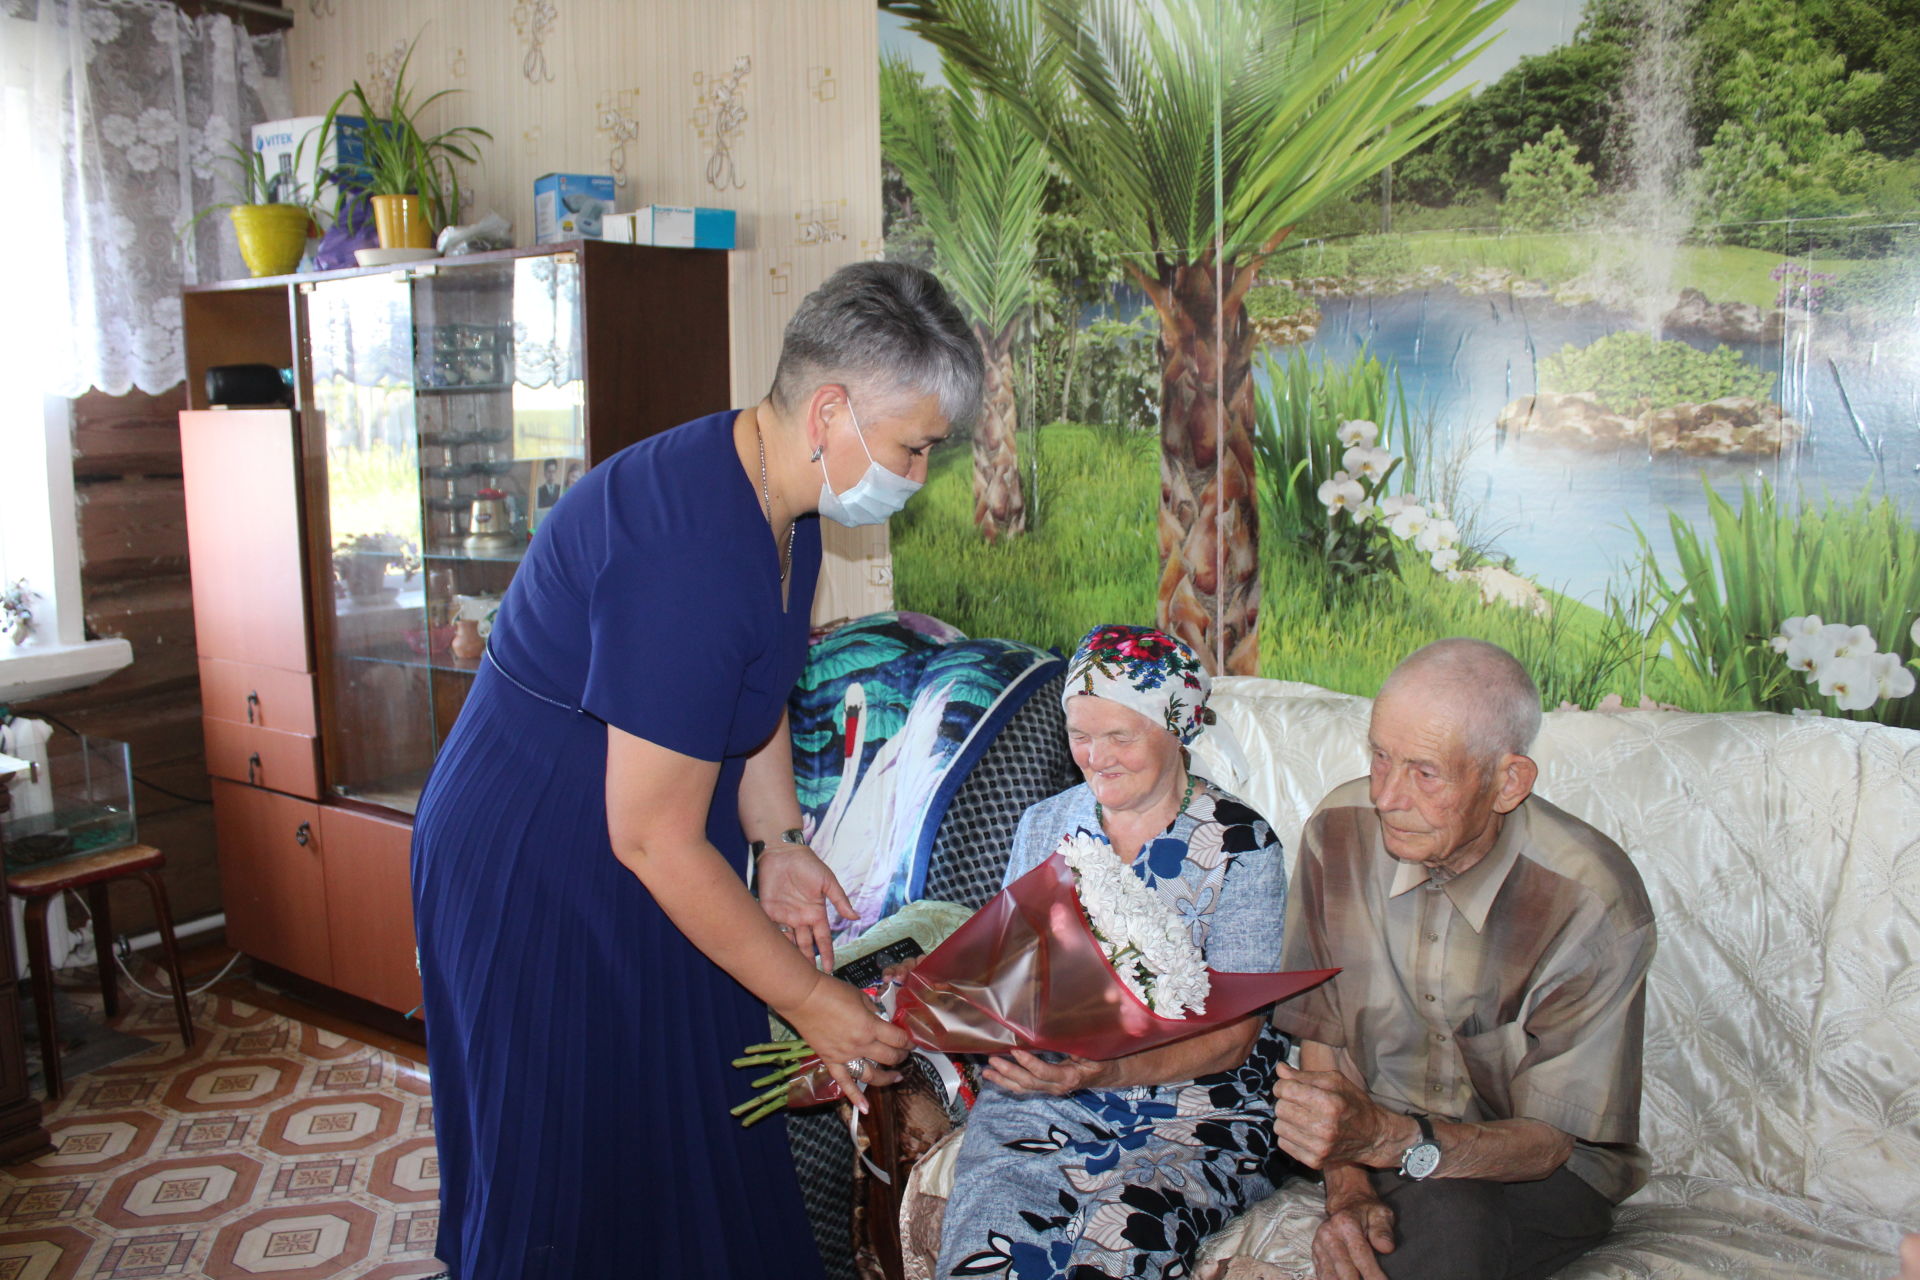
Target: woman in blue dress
(1080, 1170)
(591, 955)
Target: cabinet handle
(253, 704)
(253, 766)
(303, 834)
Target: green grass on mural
(1089, 557)
(1725, 273)
(1576, 654)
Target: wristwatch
(792, 835)
(1423, 1157)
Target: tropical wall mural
(1316, 331)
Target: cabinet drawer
(265, 697)
(272, 878)
(285, 762)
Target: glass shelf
(429, 387)
(405, 655)
(477, 388)
(458, 553)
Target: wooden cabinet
(370, 907)
(333, 542)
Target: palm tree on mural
(1204, 132)
(978, 183)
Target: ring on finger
(859, 1067)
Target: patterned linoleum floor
(272, 1148)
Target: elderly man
(1470, 1082)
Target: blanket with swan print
(890, 714)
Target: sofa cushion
(1675, 1226)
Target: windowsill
(39, 670)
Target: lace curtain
(118, 113)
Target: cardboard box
(571, 206)
(674, 227)
(277, 141)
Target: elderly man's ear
(1516, 775)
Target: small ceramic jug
(466, 639)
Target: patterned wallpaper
(766, 107)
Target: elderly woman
(591, 956)
(1121, 1168)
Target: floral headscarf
(1146, 670)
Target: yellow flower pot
(272, 236)
(401, 222)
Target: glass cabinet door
(454, 418)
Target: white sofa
(1782, 1098)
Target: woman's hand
(1024, 1072)
(840, 1024)
(795, 888)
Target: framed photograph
(544, 487)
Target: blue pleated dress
(578, 1043)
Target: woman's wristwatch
(792, 835)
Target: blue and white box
(279, 143)
(571, 206)
(675, 227)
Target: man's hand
(1023, 1072)
(1346, 1244)
(1322, 1117)
(795, 888)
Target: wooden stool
(93, 873)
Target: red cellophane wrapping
(1025, 971)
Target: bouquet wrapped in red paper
(1066, 959)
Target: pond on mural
(1561, 511)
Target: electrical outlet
(80, 954)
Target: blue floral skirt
(1111, 1183)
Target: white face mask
(874, 497)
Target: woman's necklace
(766, 501)
(1100, 814)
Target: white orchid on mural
(1890, 675)
(1341, 493)
(1446, 560)
(1366, 464)
(1850, 683)
(1358, 433)
(1850, 642)
(1794, 628)
(1844, 661)
(1410, 523)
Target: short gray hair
(888, 326)
(1500, 700)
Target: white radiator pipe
(141, 941)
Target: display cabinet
(348, 551)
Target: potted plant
(407, 174)
(274, 214)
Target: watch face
(1422, 1159)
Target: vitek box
(278, 142)
(571, 206)
(675, 227)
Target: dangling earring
(816, 454)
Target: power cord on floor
(168, 995)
